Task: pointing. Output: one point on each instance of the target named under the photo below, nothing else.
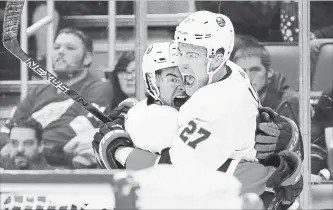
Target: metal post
(24, 46)
(304, 84)
(191, 6)
(50, 36)
(140, 44)
(112, 34)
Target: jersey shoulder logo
(220, 21)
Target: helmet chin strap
(213, 72)
(155, 94)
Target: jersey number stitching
(192, 127)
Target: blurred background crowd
(46, 130)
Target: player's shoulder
(238, 72)
(150, 112)
(151, 127)
(233, 66)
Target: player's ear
(87, 59)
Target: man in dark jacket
(271, 86)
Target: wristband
(325, 173)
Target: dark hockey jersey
(61, 118)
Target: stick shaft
(9, 38)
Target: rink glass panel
(134, 31)
(321, 84)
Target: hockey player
(165, 95)
(206, 70)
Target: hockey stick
(277, 200)
(9, 38)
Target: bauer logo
(220, 21)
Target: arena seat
(323, 77)
(285, 59)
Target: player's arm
(113, 145)
(114, 149)
(135, 158)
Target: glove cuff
(295, 137)
(325, 173)
(109, 144)
(295, 164)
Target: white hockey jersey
(218, 122)
(152, 127)
(170, 187)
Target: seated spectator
(123, 78)
(61, 118)
(24, 150)
(273, 92)
(322, 119)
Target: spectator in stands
(123, 78)
(24, 150)
(254, 58)
(322, 119)
(61, 118)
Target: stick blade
(11, 21)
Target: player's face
(193, 64)
(23, 147)
(127, 80)
(69, 53)
(256, 72)
(170, 84)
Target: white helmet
(158, 56)
(210, 30)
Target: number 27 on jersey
(187, 135)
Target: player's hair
(31, 124)
(248, 46)
(88, 44)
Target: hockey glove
(287, 180)
(110, 137)
(121, 110)
(275, 133)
